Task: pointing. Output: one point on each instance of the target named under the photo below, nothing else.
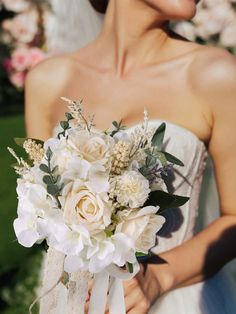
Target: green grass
(19, 267)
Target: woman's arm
(213, 79)
(211, 249)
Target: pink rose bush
(24, 34)
(214, 23)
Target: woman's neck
(132, 34)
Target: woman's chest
(165, 95)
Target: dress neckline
(183, 129)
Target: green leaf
(165, 200)
(44, 168)
(49, 153)
(140, 254)
(158, 137)
(69, 116)
(116, 124)
(48, 180)
(55, 169)
(52, 190)
(20, 141)
(173, 159)
(14, 165)
(64, 125)
(131, 268)
(108, 233)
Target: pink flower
(7, 64)
(16, 5)
(18, 79)
(20, 60)
(36, 55)
(23, 27)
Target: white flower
(26, 229)
(118, 249)
(141, 225)
(100, 254)
(93, 174)
(124, 249)
(71, 241)
(62, 153)
(131, 189)
(36, 213)
(16, 5)
(83, 206)
(93, 147)
(186, 29)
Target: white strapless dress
(216, 295)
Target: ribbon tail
(116, 298)
(98, 300)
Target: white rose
(93, 147)
(62, 153)
(131, 189)
(83, 206)
(141, 225)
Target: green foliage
(51, 179)
(18, 268)
(165, 200)
(158, 137)
(118, 127)
(19, 290)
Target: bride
(136, 61)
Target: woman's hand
(140, 292)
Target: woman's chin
(189, 11)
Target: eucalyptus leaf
(64, 125)
(55, 169)
(173, 159)
(116, 124)
(44, 168)
(48, 180)
(69, 116)
(165, 200)
(52, 190)
(158, 137)
(49, 153)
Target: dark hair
(99, 5)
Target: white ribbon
(108, 286)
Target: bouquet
(96, 197)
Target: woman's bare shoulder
(213, 75)
(213, 67)
(51, 72)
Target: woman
(137, 61)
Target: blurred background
(26, 38)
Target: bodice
(186, 146)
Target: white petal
(73, 263)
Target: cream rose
(93, 147)
(141, 225)
(83, 206)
